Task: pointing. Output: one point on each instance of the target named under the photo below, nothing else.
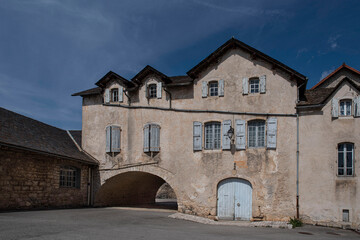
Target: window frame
(69, 177)
(114, 95)
(255, 81)
(152, 90)
(212, 141)
(213, 90)
(345, 153)
(343, 112)
(254, 125)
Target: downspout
(298, 153)
(89, 187)
(128, 97)
(169, 95)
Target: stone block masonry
(31, 180)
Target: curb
(203, 220)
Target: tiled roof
(20, 131)
(343, 66)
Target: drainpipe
(297, 166)
(129, 99)
(169, 95)
(89, 187)
(297, 153)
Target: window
(254, 85)
(151, 138)
(345, 107)
(69, 177)
(213, 88)
(346, 215)
(113, 139)
(345, 159)
(256, 133)
(212, 135)
(115, 95)
(152, 90)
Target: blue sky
(52, 48)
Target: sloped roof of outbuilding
(92, 91)
(26, 133)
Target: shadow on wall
(136, 189)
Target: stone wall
(30, 180)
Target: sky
(50, 49)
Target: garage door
(234, 199)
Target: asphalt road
(122, 223)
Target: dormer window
(254, 85)
(115, 95)
(213, 88)
(152, 90)
(345, 107)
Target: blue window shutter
(271, 133)
(335, 108)
(107, 95)
(154, 138)
(197, 136)
(158, 89)
(226, 141)
(115, 139)
(221, 88)
(146, 138)
(245, 85)
(263, 84)
(108, 139)
(240, 133)
(204, 89)
(121, 94)
(357, 106)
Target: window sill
(346, 117)
(212, 150)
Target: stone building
(42, 166)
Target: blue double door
(234, 199)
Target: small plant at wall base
(295, 222)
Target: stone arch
(132, 186)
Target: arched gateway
(136, 186)
(234, 199)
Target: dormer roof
(148, 70)
(114, 76)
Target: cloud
(326, 73)
(333, 41)
(301, 51)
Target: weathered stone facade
(31, 180)
(195, 175)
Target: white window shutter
(108, 139)
(154, 138)
(204, 89)
(146, 138)
(245, 85)
(271, 133)
(240, 134)
(146, 91)
(197, 135)
(334, 108)
(263, 84)
(121, 94)
(221, 88)
(115, 139)
(357, 106)
(226, 141)
(107, 95)
(158, 89)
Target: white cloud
(326, 73)
(333, 41)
